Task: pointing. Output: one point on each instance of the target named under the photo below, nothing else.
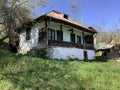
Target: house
(62, 37)
(109, 50)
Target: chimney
(65, 16)
(58, 14)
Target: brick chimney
(58, 14)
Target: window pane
(79, 39)
(59, 35)
(28, 33)
(72, 37)
(51, 34)
(88, 39)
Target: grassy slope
(18, 72)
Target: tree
(75, 6)
(115, 32)
(13, 13)
(103, 36)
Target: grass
(25, 72)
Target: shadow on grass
(98, 59)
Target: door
(85, 55)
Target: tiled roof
(105, 46)
(60, 16)
(64, 18)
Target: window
(79, 39)
(72, 36)
(51, 34)
(60, 35)
(42, 34)
(89, 39)
(28, 33)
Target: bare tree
(103, 36)
(115, 32)
(75, 6)
(13, 13)
(111, 36)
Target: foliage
(113, 36)
(38, 53)
(75, 7)
(15, 13)
(23, 72)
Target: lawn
(25, 72)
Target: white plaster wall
(69, 53)
(66, 36)
(65, 53)
(26, 45)
(91, 54)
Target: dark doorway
(72, 37)
(85, 55)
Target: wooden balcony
(89, 46)
(70, 44)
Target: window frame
(28, 33)
(79, 39)
(88, 39)
(72, 37)
(51, 32)
(59, 35)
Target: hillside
(24, 72)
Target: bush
(38, 53)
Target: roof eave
(71, 24)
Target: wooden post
(92, 40)
(46, 26)
(47, 23)
(61, 37)
(83, 35)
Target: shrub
(38, 53)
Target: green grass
(24, 72)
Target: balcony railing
(70, 44)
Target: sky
(104, 14)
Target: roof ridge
(56, 12)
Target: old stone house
(62, 37)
